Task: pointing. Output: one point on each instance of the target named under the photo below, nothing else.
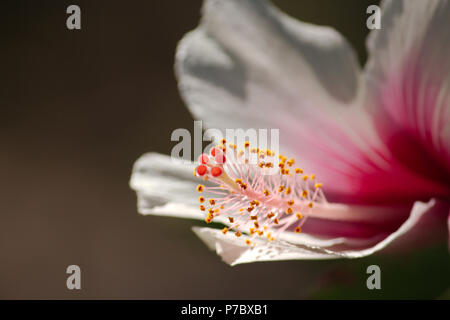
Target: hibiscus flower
(377, 137)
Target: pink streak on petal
(373, 221)
(409, 114)
(353, 175)
(320, 227)
(427, 230)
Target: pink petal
(250, 66)
(409, 95)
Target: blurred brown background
(77, 109)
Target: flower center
(259, 192)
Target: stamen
(255, 192)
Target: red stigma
(203, 159)
(216, 151)
(220, 158)
(201, 170)
(216, 171)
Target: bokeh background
(79, 107)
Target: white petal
(244, 47)
(425, 219)
(164, 187)
(248, 65)
(234, 250)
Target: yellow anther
(290, 202)
(318, 185)
(280, 188)
(276, 221)
(222, 207)
(252, 230)
(248, 242)
(266, 193)
(208, 220)
(305, 177)
(216, 210)
(289, 210)
(304, 193)
(202, 207)
(298, 230)
(225, 230)
(313, 176)
(290, 162)
(261, 165)
(253, 217)
(270, 215)
(232, 146)
(253, 150)
(256, 224)
(212, 201)
(223, 141)
(246, 144)
(268, 235)
(200, 188)
(299, 215)
(201, 199)
(310, 204)
(271, 239)
(260, 232)
(281, 165)
(288, 190)
(240, 153)
(250, 209)
(298, 170)
(237, 234)
(269, 165)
